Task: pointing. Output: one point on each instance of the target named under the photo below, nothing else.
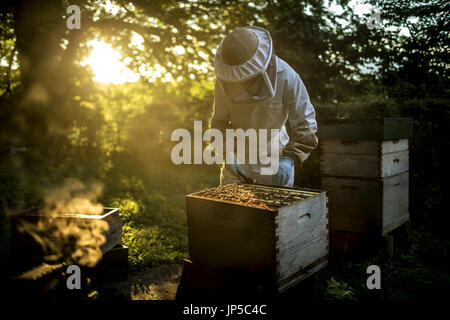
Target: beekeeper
(256, 89)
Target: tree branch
(115, 23)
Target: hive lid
(72, 212)
(255, 195)
(366, 129)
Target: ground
(157, 283)
(415, 272)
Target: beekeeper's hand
(234, 167)
(285, 172)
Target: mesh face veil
(252, 80)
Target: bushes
(375, 109)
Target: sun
(106, 64)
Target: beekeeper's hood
(245, 65)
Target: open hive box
(273, 237)
(64, 231)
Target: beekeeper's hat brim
(256, 65)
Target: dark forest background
(57, 125)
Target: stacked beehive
(44, 227)
(271, 237)
(35, 272)
(364, 166)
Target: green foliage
(325, 48)
(339, 290)
(128, 209)
(410, 275)
(357, 110)
(414, 66)
(428, 160)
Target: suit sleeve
(302, 121)
(220, 118)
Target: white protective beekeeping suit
(256, 89)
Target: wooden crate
(23, 241)
(274, 245)
(364, 158)
(368, 205)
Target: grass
(151, 201)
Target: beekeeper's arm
(221, 120)
(302, 121)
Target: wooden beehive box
(364, 158)
(32, 216)
(364, 166)
(273, 237)
(368, 205)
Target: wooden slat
(363, 146)
(301, 227)
(303, 273)
(364, 159)
(367, 205)
(311, 253)
(395, 202)
(394, 163)
(312, 235)
(395, 145)
(113, 236)
(368, 147)
(354, 204)
(350, 165)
